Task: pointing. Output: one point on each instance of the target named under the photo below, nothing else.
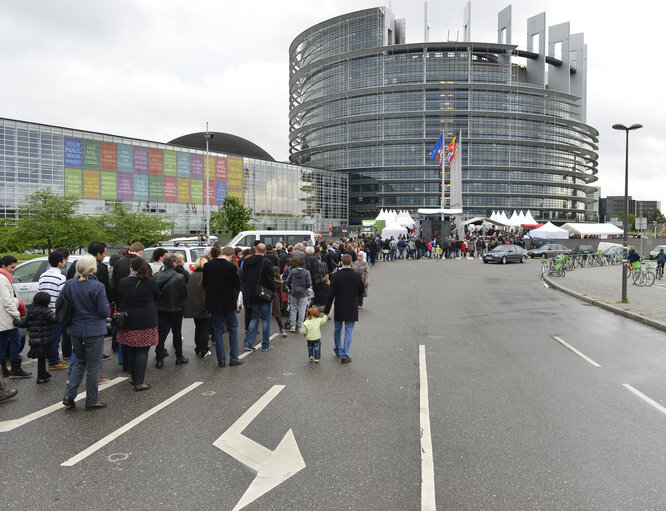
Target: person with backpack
(298, 281)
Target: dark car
(505, 254)
(549, 250)
(583, 250)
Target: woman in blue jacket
(90, 308)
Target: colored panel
(183, 190)
(209, 167)
(220, 192)
(125, 186)
(170, 189)
(156, 164)
(108, 183)
(73, 183)
(221, 169)
(90, 184)
(141, 187)
(196, 191)
(157, 188)
(183, 164)
(235, 177)
(140, 160)
(125, 158)
(90, 155)
(170, 163)
(211, 192)
(73, 153)
(108, 156)
(196, 166)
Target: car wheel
(503, 259)
(485, 261)
(523, 259)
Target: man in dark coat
(257, 270)
(173, 291)
(222, 285)
(346, 288)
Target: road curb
(616, 310)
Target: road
(518, 419)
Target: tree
(122, 226)
(657, 217)
(232, 217)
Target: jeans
(218, 322)
(297, 312)
(314, 349)
(13, 337)
(340, 349)
(201, 330)
(169, 320)
(401, 251)
(88, 351)
(260, 311)
(57, 332)
(137, 359)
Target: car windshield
(501, 248)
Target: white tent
(383, 215)
(393, 229)
(513, 221)
(593, 229)
(549, 231)
(405, 219)
(529, 219)
(503, 218)
(521, 217)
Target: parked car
(583, 250)
(549, 250)
(539, 242)
(505, 254)
(246, 239)
(655, 251)
(189, 250)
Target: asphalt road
(518, 420)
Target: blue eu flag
(436, 153)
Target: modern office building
(165, 179)
(614, 206)
(365, 103)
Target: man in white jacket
(9, 334)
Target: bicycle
(643, 277)
(660, 272)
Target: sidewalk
(603, 287)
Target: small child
(312, 330)
(39, 321)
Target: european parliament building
(365, 103)
(171, 180)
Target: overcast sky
(158, 69)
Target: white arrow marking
(272, 467)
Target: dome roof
(223, 143)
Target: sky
(159, 69)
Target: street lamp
(207, 136)
(626, 201)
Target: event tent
(529, 219)
(592, 229)
(549, 231)
(393, 229)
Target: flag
(436, 153)
(452, 151)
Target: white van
(246, 239)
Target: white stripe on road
(645, 398)
(17, 423)
(257, 346)
(427, 460)
(576, 351)
(112, 436)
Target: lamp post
(207, 136)
(625, 223)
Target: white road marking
(272, 467)
(576, 351)
(16, 423)
(427, 459)
(256, 347)
(645, 398)
(112, 436)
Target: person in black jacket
(195, 307)
(173, 291)
(257, 270)
(346, 289)
(39, 321)
(222, 285)
(137, 296)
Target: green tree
(123, 226)
(232, 217)
(657, 216)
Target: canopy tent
(593, 229)
(549, 231)
(503, 218)
(393, 229)
(405, 219)
(383, 215)
(521, 217)
(529, 219)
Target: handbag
(262, 292)
(119, 319)
(63, 311)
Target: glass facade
(162, 179)
(374, 110)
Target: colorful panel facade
(235, 177)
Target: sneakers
(316, 360)
(103, 380)
(234, 363)
(345, 360)
(60, 365)
(311, 359)
(283, 332)
(292, 330)
(248, 348)
(267, 349)
(208, 354)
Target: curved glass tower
(364, 102)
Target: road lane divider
(112, 436)
(256, 347)
(645, 398)
(11, 424)
(584, 357)
(427, 458)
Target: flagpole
(441, 168)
